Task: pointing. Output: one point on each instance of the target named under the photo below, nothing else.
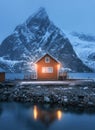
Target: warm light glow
(58, 66)
(43, 70)
(35, 112)
(59, 114)
(47, 69)
(36, 66)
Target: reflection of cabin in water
(2, 75)
(47, 68)
(45, 116)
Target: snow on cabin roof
(1, 70)
(50, 56)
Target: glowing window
(47, 69)
(43, 70)
(47, 59)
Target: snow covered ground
(44, 82)
(68, 82)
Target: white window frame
(47, 59)
(47, 69)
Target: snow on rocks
(38, 86)
(46, 99)
(65, 99)
(85, 88)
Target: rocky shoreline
(80, 95)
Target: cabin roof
(50, 56)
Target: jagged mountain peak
(41, 12)
(32, 39)
(40, 15)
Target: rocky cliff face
(84, 46)
(33, 39)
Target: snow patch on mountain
(10, 63)
(84, 49)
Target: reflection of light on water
(35, 112)
(39, 114)
(59, 114)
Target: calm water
(15, 116)
(13, 76)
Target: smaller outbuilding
(2, 75)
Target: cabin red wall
(2, 76)
(47, 76)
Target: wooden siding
(47, 76)
(2, 76)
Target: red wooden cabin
(47, 68)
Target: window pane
(47, 69)
(47, 59)
(50, 69)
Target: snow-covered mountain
(84, 46)
(32, 39)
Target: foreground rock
(81, 95)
